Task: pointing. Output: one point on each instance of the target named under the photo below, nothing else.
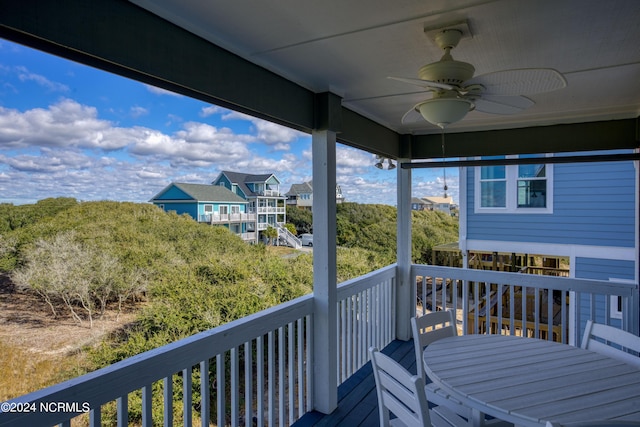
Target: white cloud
(137, 111)
(24, 75)
(67, 150)
(159, 91)
(211, 110)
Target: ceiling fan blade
(522, 81)
(412, 116)
(502, 104)
(428, 84)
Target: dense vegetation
(373, 228)
(84, 257)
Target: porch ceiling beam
(522, 161)
(589, 136)
(122, 38)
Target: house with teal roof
(215, 205)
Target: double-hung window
(524, 188)
(493, 186)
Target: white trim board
(568, 250)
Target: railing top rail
(603, 287)
(123, 377)
(359, 284)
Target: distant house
(210, 204)
(265, 201)
(418, 204)
(435, 203)
(301, 195)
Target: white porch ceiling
(351, 47)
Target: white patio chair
(402, 394)
(612, 342)
(427, 329)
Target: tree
(302, 219)
(270, 234)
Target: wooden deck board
(357, 400)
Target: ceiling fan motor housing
(447, 70)
(450, 72)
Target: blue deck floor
(357, 400)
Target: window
(532, 186)
(208, 209)
(235, 209)
(524, 188)
(493, 186)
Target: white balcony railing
(271, 209)
(545, 307)
(260, 368)
(366, 318)
(225, 218)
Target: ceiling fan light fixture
(444, 111)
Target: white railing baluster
(234, 386)
(487, 307)
(248, 384)
(187, 403)
(343, 339)
(291, 365)
(147, 405)
(550, 315)
(122, 410)
(512, 310)
(205, 393)
(221, 386)
(309, 370)
(281, 382)
(260, 383)
(300, 360)
(167, 397)
(271, 379)
(95, 417)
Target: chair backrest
(429, 328)
(612, 342)
(399, 392)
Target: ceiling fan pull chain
(444, 168)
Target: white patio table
(529, 381)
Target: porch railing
(253, 371)
(553, 308)
(258, 369)
(366, 318)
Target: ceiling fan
(456, 91)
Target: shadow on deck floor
(357, 400)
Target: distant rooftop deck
(357, 400)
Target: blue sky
(68, 130)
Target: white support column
(405, 288)
(462, 215)
(325, 366)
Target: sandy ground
(28, 322)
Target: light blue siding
(600, 269)
(174, 193)
(593, 204)
(181, 208)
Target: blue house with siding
(265, 201)
(586, 213)
(210, 204)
